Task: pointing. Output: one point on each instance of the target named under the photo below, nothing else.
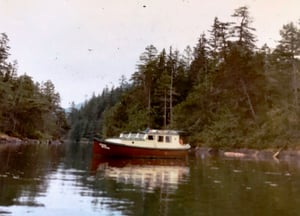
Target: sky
(83, 46)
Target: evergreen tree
(199, 66)
(218, 42)
(243, 31)
(27, 109)
(289, 46)
(146, 76)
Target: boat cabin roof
(164, 132)
(142, 134)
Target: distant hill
(77, 106)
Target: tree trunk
(149, 108)
(248, 99)
(295, 84)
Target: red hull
(106, 149)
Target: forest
(224, 92)
(27, 109)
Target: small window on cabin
(150, 137)
(160, 138)
(168, 139)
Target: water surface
(56, 180)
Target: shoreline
(6, 139)
(202, 152)
(248, 154)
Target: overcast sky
(84, 45)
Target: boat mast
(165, 110)
(171, 90)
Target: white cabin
(166, 139)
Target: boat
(151, 143)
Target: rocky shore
(5, 139)
(251, 154)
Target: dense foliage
(223, 92)
(27, 109)
(88, 120)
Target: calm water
(52, 180)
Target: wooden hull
(107, 149)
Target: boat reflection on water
(146, 174)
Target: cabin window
(150, 137)
(141, 136)
(168, 139)
(160, 138)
